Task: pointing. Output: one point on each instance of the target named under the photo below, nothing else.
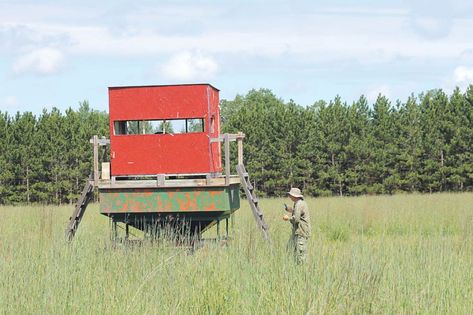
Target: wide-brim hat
(295, 192)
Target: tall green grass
(401, 254)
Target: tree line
(335, 148)
(47, 158)
(328, 148)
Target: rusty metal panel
(147, 154)
(163, 200)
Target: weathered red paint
(165, 153)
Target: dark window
(120, 127)
(147, 127)
(195, 125)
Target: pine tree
(461, 156)
(334, 137)
(358, 149)
(23, 130)
(410, 146)
(6, 167)
(382, 173)
(435, 120)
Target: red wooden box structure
(164, 130)
(166, 162)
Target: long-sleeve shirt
(300, 219)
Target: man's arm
(288, 209)
(296, 214)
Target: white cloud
(365, 34)
(42, 61)
(189, 66)
(368, 44)
(463, 75)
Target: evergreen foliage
(47, 159)
(423, 145)
(334, 148)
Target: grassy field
(402, 254)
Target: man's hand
(285, 217)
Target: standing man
(300, 220)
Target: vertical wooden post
(114, 235)
(227, 159)
(95, 142)
(240, 148)
(226, 228)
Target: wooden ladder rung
(81, 206)
(252, 200)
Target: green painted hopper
(145, 205)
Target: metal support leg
(127, 231)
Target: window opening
(195, 125)
(120, 128)
(176, 126)
(133, 127)
(154, 126)
(170, 126)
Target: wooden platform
(168, 183)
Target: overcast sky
(58, 53)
